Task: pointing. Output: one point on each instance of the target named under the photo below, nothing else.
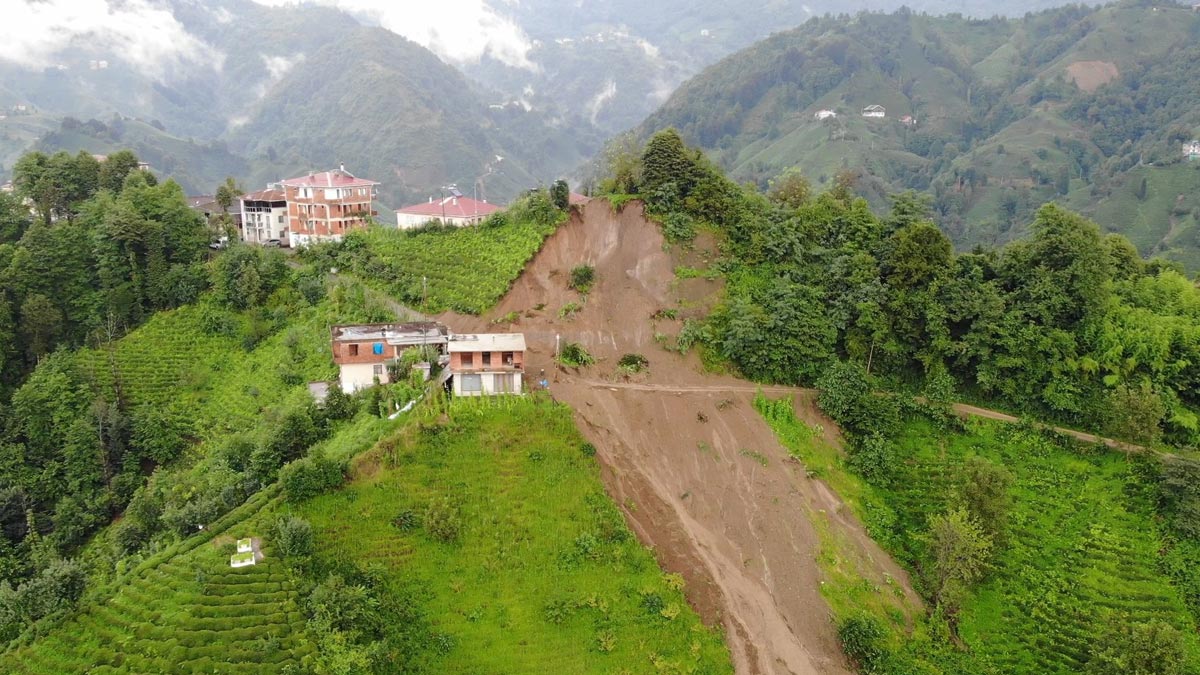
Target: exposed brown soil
(701, 478)
(1091, 75)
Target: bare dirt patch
(1091, 75)
(698, 473)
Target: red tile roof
(265, 196)
(462, 207)
(335, 178)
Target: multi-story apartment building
(325, 206)
(265, 217)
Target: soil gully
(698, 473)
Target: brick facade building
(325, 206)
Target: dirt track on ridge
(699, 475)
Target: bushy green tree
(959, 551)
(1127, 647)
(983, 491)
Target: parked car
(272, 243)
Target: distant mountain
(277, 91)
(609, 63)
(1087, 106)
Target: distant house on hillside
(826, 114)
(1191, 150)
(874, 111)
(264, 217)
(363, 352)
(908, 121)
(487, 364)
(452, 210)
(325, 206)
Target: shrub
(569, 310)
(443, 521)
(293, 537)
(574, 355)
(588, 450)
(306, 478)
(407, 520)
(863, 639)
(582, 278)
(632, 363)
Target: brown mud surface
(700, 476)
(1091, 75)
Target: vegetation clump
(631, 364)
(582, 278)
(572, 354)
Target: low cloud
(143, 33)
(461, 31)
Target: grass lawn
(543, 575)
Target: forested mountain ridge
(280, 91)
(1086, 106)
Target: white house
(487, 364)
(265, 217)
(453, 210)
(826, 114)
(1191, 150)
(874, 111)
(363, 352)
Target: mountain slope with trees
(1087, 106)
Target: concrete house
(325, 206)
(364, 351)
(452, 210)
(487, 364)
(826, 114)
(1191, 150)
(874, 111)
(265, 217)
(908, 121)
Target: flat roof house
(325, 206)
(1191, 150)
(487, 364)
(453, 210)
(265, 217)
(363, 352)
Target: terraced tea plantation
(1082, 542)
(495, 515)
(466, 269)
(191, 613)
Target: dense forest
(892, 326)
(990, 117)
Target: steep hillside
(1073, 103)
(392, 111)
(197, 167)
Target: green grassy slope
(462, 269)
(198, 167)
(1083, 541)
(186, 611)
(1002, 126)
(545, 576)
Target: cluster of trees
(89, 250)
(1067, 323)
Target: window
(470, 384)
(487, 359)
(377, 370)
(353, 350)
(507, 358)
(281, 218)
(467, 360)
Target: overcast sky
(144, 33)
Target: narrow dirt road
(698, 473)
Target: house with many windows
(877, 111)
(265, 217)
(363, 352)
(1191, 150)
(325, 206)
(487, 364)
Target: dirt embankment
(699, 475)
